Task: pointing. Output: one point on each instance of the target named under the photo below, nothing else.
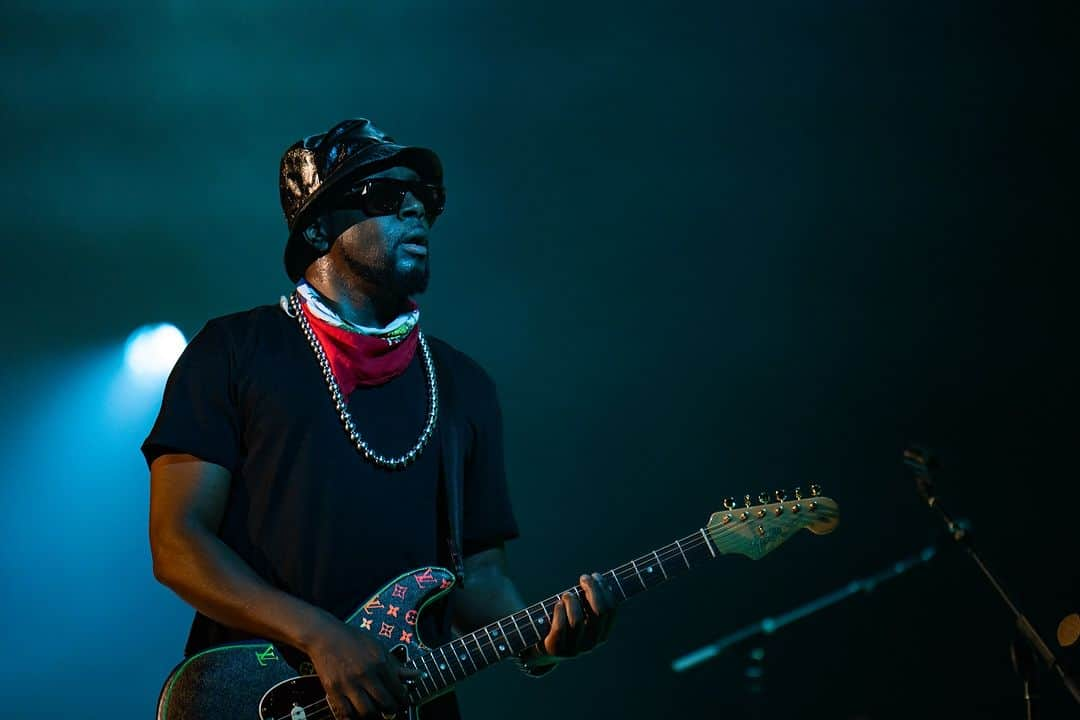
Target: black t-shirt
(305, 510)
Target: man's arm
(187, 504)
(489, 594)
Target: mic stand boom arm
(769, 625)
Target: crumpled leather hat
(312, 167)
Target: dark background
(704, 249)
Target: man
(300, 459)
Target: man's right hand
(360, 678)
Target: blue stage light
(152, 350)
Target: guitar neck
(507, 637)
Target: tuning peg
(815, 489)
(763, 497)
(747, 500)
(798, 493)
(780, 495)
(729, 503)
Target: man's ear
(317, 234)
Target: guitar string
(481, 637)
(630, 573)
(623, 572)
(317, 709)
(671, 555)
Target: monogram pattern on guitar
(392, 614)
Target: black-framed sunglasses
(384, 196)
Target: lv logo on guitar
(241, 680)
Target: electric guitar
(240, 680)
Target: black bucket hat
(312, 167)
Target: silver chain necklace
(393, 463)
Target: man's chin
(413, 281)
(397, 280)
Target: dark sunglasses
(384, 196)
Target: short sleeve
(198, 413)
(488, 514)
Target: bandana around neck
(360, 356)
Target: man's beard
(392, 280)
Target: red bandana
(360, 360)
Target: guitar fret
(476, 639)
(431, 674)
(660, 564)
(615, 575)
(469, 653)
(464, 672)
(520, 635)
(441, 675)
(539, 637)
(708, 543)
(446, 661)
(640, 579)
(495, 645)
(505, 637)
(423, 677)
(543, 606)
(679, 546)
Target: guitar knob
(798, 493)
(780, 495)
(729, 503)
(815, 489)
(747, 500)
(763, 498)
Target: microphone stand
(769, 625)
(921, 463)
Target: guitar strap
(452, 432)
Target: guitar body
(251, 679)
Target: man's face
(389, 251)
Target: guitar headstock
(754, 530)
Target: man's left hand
(578, 627)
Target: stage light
(152, 350)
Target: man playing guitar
(304, 451)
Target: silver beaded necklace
(393, 463)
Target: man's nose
(412, 207)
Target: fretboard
(507, 637)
